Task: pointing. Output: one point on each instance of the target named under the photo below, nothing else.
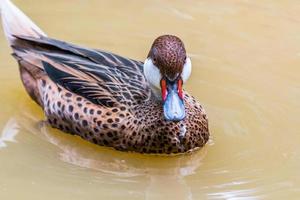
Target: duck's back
(101, 77)
(85, 92)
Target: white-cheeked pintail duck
(105, 98)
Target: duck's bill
(173, 106)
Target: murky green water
(246, 65)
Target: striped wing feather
(103, 78)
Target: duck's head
(166, 68)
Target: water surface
(246, 65)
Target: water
(246, 58)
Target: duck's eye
(154, 60)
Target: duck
(108, 99)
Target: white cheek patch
(187, 70)
(152, 73)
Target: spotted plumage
(168, 53)
(105, 98)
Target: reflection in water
(160, 171)
(160, 177)
(243, 194)
(9, 132)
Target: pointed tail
(15, 22)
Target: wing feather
(101, 77)
(104, 79)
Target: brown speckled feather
(168, 53)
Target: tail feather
(15, 22)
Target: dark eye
(154, 60)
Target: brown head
(166, 69)
(168, 54)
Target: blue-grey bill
(174, 109)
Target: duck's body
(102, 97)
